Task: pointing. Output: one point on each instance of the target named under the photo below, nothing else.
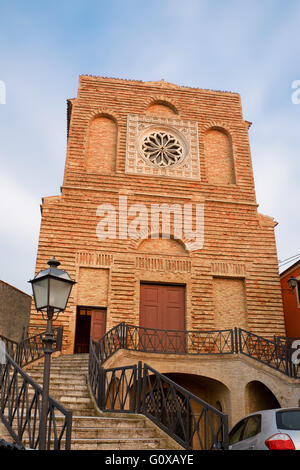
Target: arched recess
(163, 247)
(218, 153)
(161, 108)
(102, 144)
(212, 391)
(259, 397)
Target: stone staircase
(93, 430)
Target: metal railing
(31, 349)
(151, 340)
(20, 407)
(190, 421)
(186, 418)
(21, 396)
(276, 354)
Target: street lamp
(292, 282)
(51, 290)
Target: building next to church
(291, 300)
(14, 312)
(158, 223)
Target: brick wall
(239, 243)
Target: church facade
(136, 226)
(157, 220)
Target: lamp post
(51, 290)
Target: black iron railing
(21, 396)
(192, 422)
(276, 354)
(20, 407)
(136, 338)
(31, 349)
(204, 342)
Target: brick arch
(105, 112)
(135, 245)
(164, 101)
(259, 396)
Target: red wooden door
(162, 307)
(98, 323)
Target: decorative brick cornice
(164, 100)
(218, 125)
(103, 112)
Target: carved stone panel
(159, 146)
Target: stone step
(60, 370)
(118, 444)
(107, 422)
(108, 433)
(61, 373)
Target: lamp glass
(40, 292)
(59, 293)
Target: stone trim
(160, 263)
(94, 259)
(228, 269)
(134, 164)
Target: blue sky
(248, 47)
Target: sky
(251, 48)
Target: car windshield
(288, 420)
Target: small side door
(98, 323)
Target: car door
(236, 434)
(248, 438)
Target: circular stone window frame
(168, 130)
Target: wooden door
(98, 323)
(162, 307)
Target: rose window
(162, 148)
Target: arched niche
(219, 157)
(163, 246)
(102, 145)
(259, 397)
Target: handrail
(20, 408)
(31, 348)
(190, 421)
(274, 354)
(151, 340)
(129, 389)
(21, 396)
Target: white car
(277, 429)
